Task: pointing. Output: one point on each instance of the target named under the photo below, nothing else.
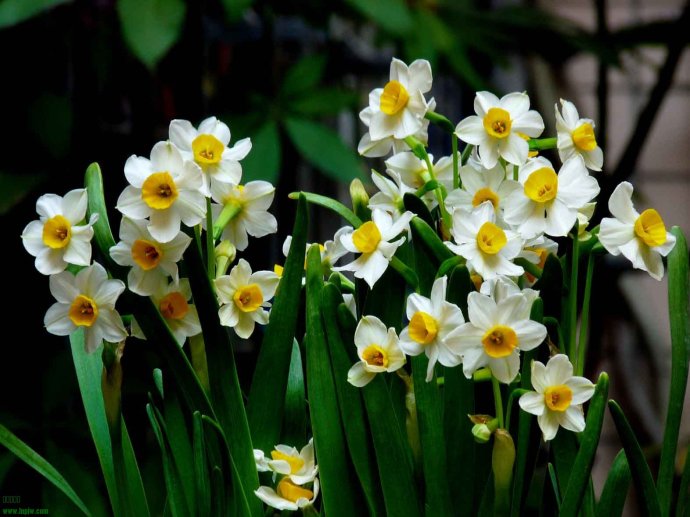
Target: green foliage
(263, 165)
(13, 12)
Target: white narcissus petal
(530, 334)
(359, 376)
(558, 370)
(484, 101)
(559, 219)
(620, 203)
(481, 310)
(239, 151)
(420, 77)
(370, 267)
(594, 159)
(514, 149)
(540, 380)
(472, 360)
(145, 283)
(516, 103)
(572, 419)
(137, 169)
(165, 157)
(488, 154)
(245, 326)
(108, 292)
(164, 224)
(267, 282)
(548, 423)
(471, 130)
(370, 330)
(74, 205)
(614, 233)
(229, 314)
(50, 261)
(505, 369)
(416, 303)
(228, 171)
(182, 134)
(408, 345)
(78, 251)
(532, 402)
(666, 247)
(652, 262)
(582, 389)
(49, 205)
(57, 321)
(132, 205)
(111, 325)
(63, 288)
(92, 339)
(32, 237)
(269, 496)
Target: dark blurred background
(99, 80)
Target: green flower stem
(406, 272)
(440, 120)
(515, 394)
(572, 296)
(542, 144)
(456, 172)
(210, 242)
(466, 152)
(482, 375)
(197, 348)
(584, 323)
(528, 266)
(229, 212)
(498, 401)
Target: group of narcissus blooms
(498, 204)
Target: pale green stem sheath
(572, 296)
(482, 375)
(498, 401)
(542, 144)
(411, 422)
(515, 172)
(584, 322)
(440, 120)
(456, 172)
(197, 347)
(466, 152)
(515, 394)
(229, 212)
(210, 243)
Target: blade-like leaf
(393, 15)
(201, 467)
(331, 204)
(13, 12)
(427, 237)
(304, 75)
(324, 101)
(295, 417)
(14, 187)
(264, 163)
(616, 488)
(324, 149)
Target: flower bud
(225, 255)
(484, 426)
(360, 200)
(502, 461)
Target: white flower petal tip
(378, 349)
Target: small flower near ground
(288, 495)
(488, 248)
(641, 238)
(549, 202)
(249, 206)
(208, 147)
(165, 189)
(86, 300)
(379, 351)
(496, 333)
(244, 296)
(495, 127)
(299, 466)
(371, 240)
(57, 239)
(172, 300)
(431, 321)
(576, 136)
(558, 398)
(151, 261)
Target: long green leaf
(679, 315)
(427, 237)
(265, 164)
(340, 495)
(353, 414)
(201, 467)
(267, 394)
(13, 12)
(40, 465)
(133, 484)
(616, 488)
(392, 15)
(331, 204)
(589, 442)
(641, 475)
(295, 417)
(303, 76)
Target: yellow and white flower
(299, 466)
(496, 126)
(389, 198)
(414, 172)
(558, 398)
(288, 495)
(86, 300)
(431, 322)
(57, 239)
(251, 203)
(172, 300)
(208, 147)
(165, 189)
(502, 287)
(549, 202)
(488, 248)
(371, 240)
(244, 296)
(331, 250)
(496, 333)
(151, 261)
(576, 136)
(379, 351)
(537, 250)
(479, 185)
(397, 110)
(641, 238)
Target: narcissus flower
(57, 238)
(496, 333)
(208, 147)
(431, 321)
(487, 247)
(549, 202)
(558, 398)
(389, 198)
(379, 351)
(86, 300)
(331, 250)
(288, 495)
(495, 127)
(414, 172)
(152, 261)
(641, 238)
(371, 239)
(299, 466)
(576, 136)
(244, 296)
(172, 300)
(165, 189)
(249, 206)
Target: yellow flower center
(248, 298)
(497, 123)
(374, 355)
(649, 227)
(146, 254)
(57, 232)
(159, 191)
(83, 312)
(366, 238)
(583, 137)
(485, 194)
(499, 341)
(542, 185)
(558, 398)
(394, 98)
(173, 306)
(278, 269)
(423, 328)
(296, 463)
(207, 149)
(491, 238)
(292, 492)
